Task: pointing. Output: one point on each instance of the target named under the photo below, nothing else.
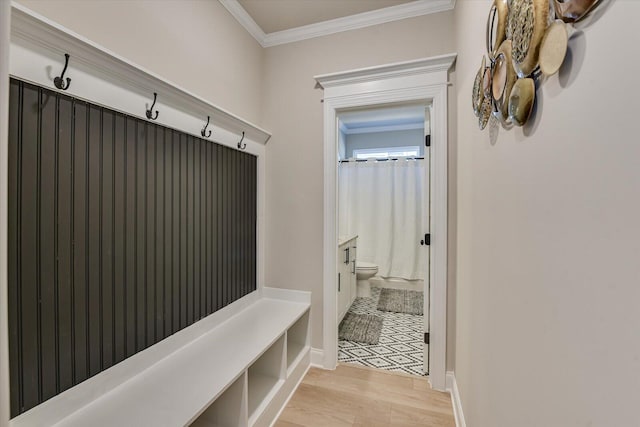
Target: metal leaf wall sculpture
(526, 39)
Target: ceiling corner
(244, 19)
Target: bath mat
(401, 301)
(363, 328)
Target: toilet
(364, 271)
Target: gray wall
(400, 138)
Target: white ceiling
(382, 119)
(278, 15)
(275, 22)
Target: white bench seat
(179, 387)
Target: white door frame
(422, 80)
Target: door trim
(422, 80)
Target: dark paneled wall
(121, 232)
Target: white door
(425, 239)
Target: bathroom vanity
(347, 248)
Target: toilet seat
(362, 265)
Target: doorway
(383, 227)
(418, 81)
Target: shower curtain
(384, 204)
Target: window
(386, 153)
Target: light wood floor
(358, 396)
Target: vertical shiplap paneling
(220, 235)
(106, 229)
(253, 222)
(210, 265)
(237, 225)
(149, 231)
(167, 225)
(80, 281)
(234, 185)
(159, 234)
(222, 231)
(226, 217)
(29, 247)
(122, 232)
(140, 237)
(130, 235)
(244, 235)
(244, 228)
(48, 142)
(94, 197)
(119, 239)
(240, 244)
(204, 283)
(64, 243)
(175, 230)
(183, 229)
(213, 263)
(196, 230)
(189, 198)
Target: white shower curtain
(384, 204)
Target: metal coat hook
(150, 110)
(203, 132)
(59, 81)
(240, 144)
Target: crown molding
(396, 69)
(237, 11)
(353, 22)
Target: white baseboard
(452, 388)
(317, 357)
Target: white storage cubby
(265, 375)
(229, 409)
(236, 367)
(297, 341)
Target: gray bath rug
(362, 328)
(401, 301)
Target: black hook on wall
(240, 144)
(59, 81)
(203, 132)
(150, 110)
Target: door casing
(422, 80)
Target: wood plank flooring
(360, 396)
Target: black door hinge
(426, 337)
(426, 241)
(427, 140)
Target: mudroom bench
(237, 367)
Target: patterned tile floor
(400, 348)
